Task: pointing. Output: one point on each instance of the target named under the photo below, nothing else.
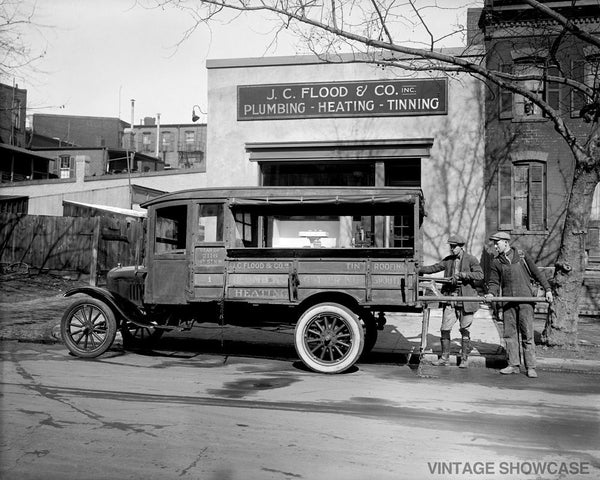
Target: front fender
(123, 308)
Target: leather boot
(445, 358)
(465, 350)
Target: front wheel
(329, 338)
(88, 327)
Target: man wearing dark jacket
(463, 272)
(511, 274)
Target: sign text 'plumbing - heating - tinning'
(343, 99)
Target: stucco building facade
(292, 121)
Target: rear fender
(123, 308)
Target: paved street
(180, 414)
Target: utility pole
(132, 145)
(157, 135)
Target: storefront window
(318, 174)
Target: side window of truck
(210, 222)
(170, 229)
(246, 229)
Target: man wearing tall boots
(461, 272)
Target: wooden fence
(90, 245)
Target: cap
(456, 239)
(500, 236)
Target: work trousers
(518, 317)
(452, 314)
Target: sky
(100, 54)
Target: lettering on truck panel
(257, 293)
(309, 280)
(259, 266)
(387, 280)
(250, 279)
(389, 267)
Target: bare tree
(15, 53)
(381, 31)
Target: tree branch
(574, 29)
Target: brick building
(84, 131)
(179, 145)
(13, 104)
(529, 166)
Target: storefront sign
(394, 98)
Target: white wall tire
(329, 338)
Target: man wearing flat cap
(511, 274)
(462, 271)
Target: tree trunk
(563, 313)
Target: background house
(528, 165)
(85, 131)
(13, 104)
(179, 146)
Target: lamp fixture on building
(196, 117)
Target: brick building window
(167, 142)
(520, 107)
(522, 196)
(66, 166)
(146, 142)
(190, 140)
(16, 114)
(586, 71)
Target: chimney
(474, 33)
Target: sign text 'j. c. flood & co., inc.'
(343, 99)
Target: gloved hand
(549, 297)
(488, 296)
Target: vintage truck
(329, 260)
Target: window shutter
(536, 197)
(577, 97)
(71, 167)
(56, 167)
(553, 89)
(505, 97)
(505, 198)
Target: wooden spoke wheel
(88, 327)
(329, 338)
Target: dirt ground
(31, 306)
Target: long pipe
(448, 298)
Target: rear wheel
(329, 338)
(88, 327)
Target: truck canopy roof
(250, 196)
